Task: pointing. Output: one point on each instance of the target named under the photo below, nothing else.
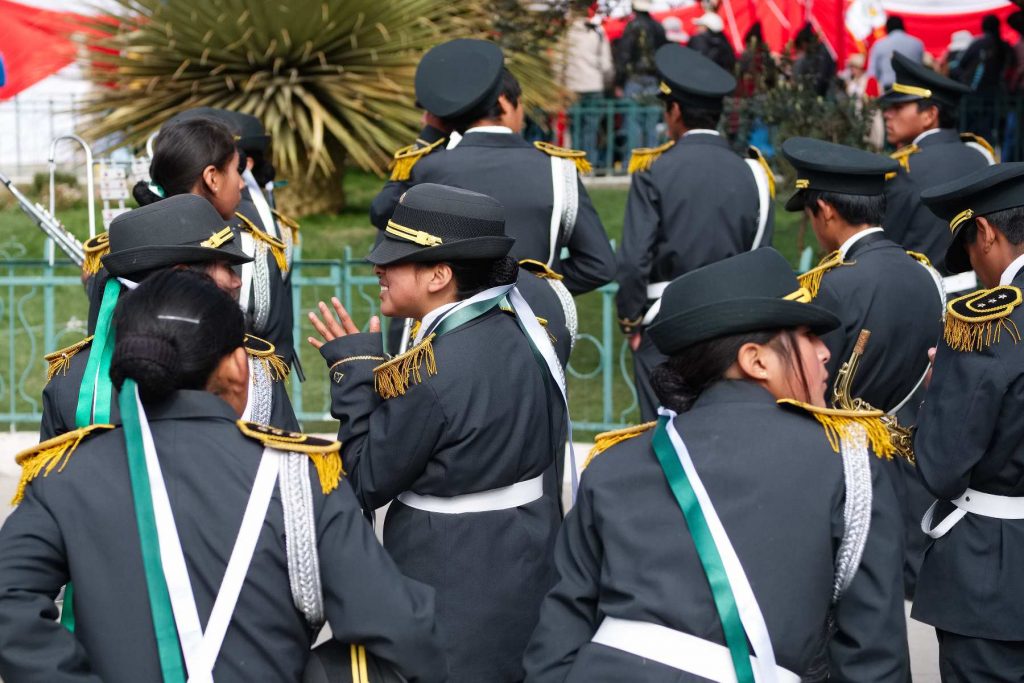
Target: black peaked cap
(458, 76)
(755, 291)
(829, 167)
(170, 232)
(692, 78)
(915, 81)
(252, 135)
(440, 223)
(990, 189)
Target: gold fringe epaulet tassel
(51, 454)
(59, 361)
(266, 355)
(980, 141)
(837, 422)
(606, 440)
(903, 154)
(975, 321)
(540, 269)
(406, 158)
(644, 157)
(323, 453)
(811, 280)
(288, 222)
(755, 154)
(276, 246)
(392, 379)
(95, 248)
(578, 156)
(920, 258)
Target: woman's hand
(331, 328)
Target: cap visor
(796, 202)
(141, 259)
(957, 260)
(892, 98)
(395, 251)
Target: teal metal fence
(608, 130)
(43, 308)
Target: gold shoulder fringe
(276, 246)
(978, 140)
(95, 248)
(406, 158)
(903, 155)
(265, 354)
(578, 156)
(811, 280)
(324, 454)
(644, 157)
(392, 379)
(973, 324)
(920, 258)
(755, 153)
(289, 223)
(44, 457)
(540, 269)
(60, 360)
(606, 440)
(836, 423)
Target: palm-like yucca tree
(329, 78)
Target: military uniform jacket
(60, 400)
(511, 170)
(970, 434)
(882, 289)
(78, 525)
(697, 204)
(489, 418)
(908, 222)
(624, 551)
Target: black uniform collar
(944, 136)
(189, 404)
(703, 139)
(493, 140)
(733, 391)
(865, 243)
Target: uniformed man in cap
(465, 85)
(872, 284)
(920, 112)
(970, 436)
(183, 231)
(692, 201)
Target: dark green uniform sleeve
(282, 414)
(368, 601)
(636, 252)
(385, 444)
(384, 203)
(34, 647)
(591, 262)
(568, 615)
(870, 643)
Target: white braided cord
(300, 538)
(261, 288)
(856, 508)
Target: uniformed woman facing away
(459, 431)
(179, 527)
(713, 544)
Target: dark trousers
(963, 659)
(645, 359)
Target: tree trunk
(322, 193)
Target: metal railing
(44, 308)
(998, 119)
(608, 130)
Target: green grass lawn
(322, 237)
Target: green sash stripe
(707, 551)
(465, 314)
(159, 599)
(67, 612)
(96, 385)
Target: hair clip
(178, 318)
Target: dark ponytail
(474, 276)
(181, 151)
(172, 331)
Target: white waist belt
(976, 503)
(484, 501)
(654, 292)
(676, 649)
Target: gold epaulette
(644, 157)
(578, 156)
(392, 378)
(836, 423)
(975, 321)
(95, 248)
(276, 246)
(325, 454)
(52, 453)
(289, 223)
(265, 354)
(920, 258)
(755, 154)
(980, 141)
(60, 360)
(406, 158)
(541, 270)
(903, 154)
(606, 440)
(811, 280)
